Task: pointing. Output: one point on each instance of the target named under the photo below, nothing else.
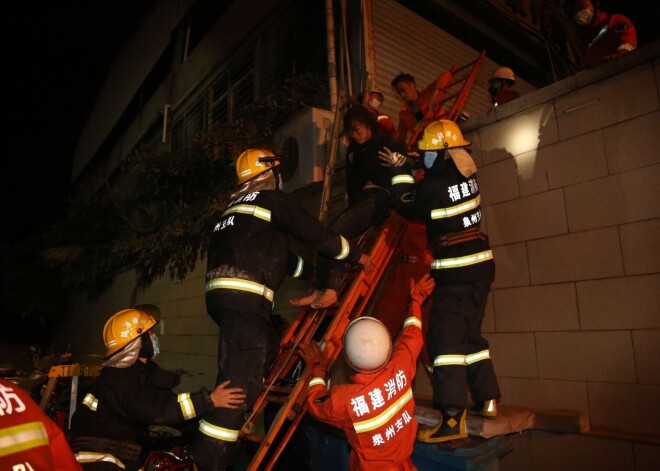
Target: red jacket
(408, 121)
(386, 124)
(29, 439)
(609, 36)
(376, 411)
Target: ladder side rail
(457, 108)
(285, 360)
(459, 97)
(353, 304)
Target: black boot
(450, 427)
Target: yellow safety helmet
(124, 327)
(253, 162)
(442, 134)
(367, 345)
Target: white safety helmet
(367, 345)
(504, 73)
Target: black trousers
(370, 210)
(455, 329)
(247, 348)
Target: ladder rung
(251, 437)
(355, 291)
(278, 399)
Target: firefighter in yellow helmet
(247, 261)
(110, 429)
(376, 409)
(448, 200)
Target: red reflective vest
(376, 411)
(29, 439)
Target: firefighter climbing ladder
(287, 381)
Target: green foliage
(155, 213)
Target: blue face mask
(155, 343)
(429, 158)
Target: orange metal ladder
(459, 98)
(287, 381)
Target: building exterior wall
(406, 42)
(126, 76)
(569, 179)
(572, 209)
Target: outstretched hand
(422, 290)
(391, 159)
(229, 398)
(311, 352)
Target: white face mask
(583, 17)
(374, 103)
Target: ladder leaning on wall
(286, 384)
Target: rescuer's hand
(391, 159)
(422, 290)
(367, 263)
(229, 398)
(314, 357)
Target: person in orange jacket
(376, 410)
(29, 439)
(419, 106)
(606, 36)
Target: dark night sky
(56, 55)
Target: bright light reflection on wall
(522, 141)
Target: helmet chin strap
(269, 180)
(126, 356)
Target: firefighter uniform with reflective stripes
(29, 439)
(120, 406)
(248, 259)
(376, 411)
(463, 268)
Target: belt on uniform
(455, 238)
(406, 258)
(120, 449)
(241, 285)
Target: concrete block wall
(570, 182)
(188, 336)
(543, 451)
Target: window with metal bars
(293, 40)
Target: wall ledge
(642, 55)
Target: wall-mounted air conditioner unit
(312, 130)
